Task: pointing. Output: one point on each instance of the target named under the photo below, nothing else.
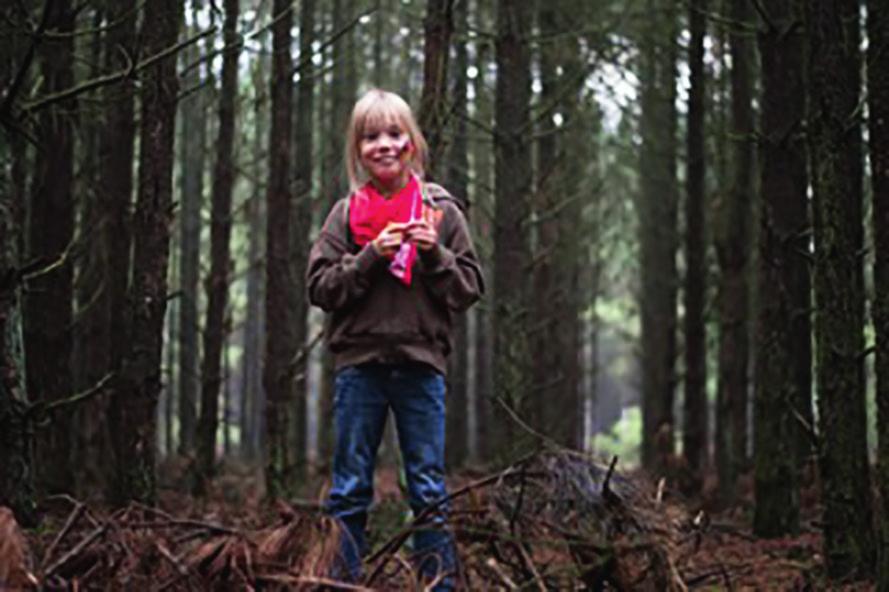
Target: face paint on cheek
(406, 149)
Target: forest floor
(232, 539)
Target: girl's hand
(390, 238)
(423, 234)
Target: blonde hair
(377, 108)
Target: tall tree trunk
(226, 395)
(732, 251)
(783, 284)
(280, 345)
(48, 298)
(438, 26)
(302, 218)
(482, 227)
(89, 346)
(252, 394)
(115, 187)
(341, 95)
(168, 394)
(215, 331)
(658, 235)
(694, 433)
(571, 248)
(878, 106)
(457, 178)
(16, 447)
(512, 377)
(555, 338)
(133, 405)
(835, 150)
(546, 293)
(191, 187)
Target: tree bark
(695, 425)
(658, 236)
(438, 26)
(782, 309)
(132, 410)
(482, 230)
(16, 445)
(512, 163)
(341, 95)
(217, 284)
(115, 187)
(49, 295)
(835, 151)
(91, 331)
(302, 219)
(280, 344)
(457, 180)
(732, 243)
(544, 331)
(191, 187)
(252, 394)
(878, 106)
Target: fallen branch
(78, 510)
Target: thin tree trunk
(280, 344)
(302, 218)
(576, 152)
(512, 376)
(658, 236)
(732, 244)
(133, 405)
(16, 446)
(191, 188)
(217, 284)
(694, 434)
(438, 26)
(168, 394)
(544, 332)
(252, 399)
(115, 187)
(341, 95)
(48, 298)
(482, 228)
(878, 106)
(835, 150)
(226, 395)
(457, 179)
(90, 329)
(783, 278)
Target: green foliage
(624, 439)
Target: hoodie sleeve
(335, 277)
(451, 269)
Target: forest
(677, 377)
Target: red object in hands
(370, 212)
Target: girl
(392, 265)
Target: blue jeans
(415, 393)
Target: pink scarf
(370, 212)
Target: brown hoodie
(373, 316)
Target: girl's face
(384, 150)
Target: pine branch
(15, 87)
(101, 81)
(75, 399)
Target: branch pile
(554, 521)
(561, 521)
